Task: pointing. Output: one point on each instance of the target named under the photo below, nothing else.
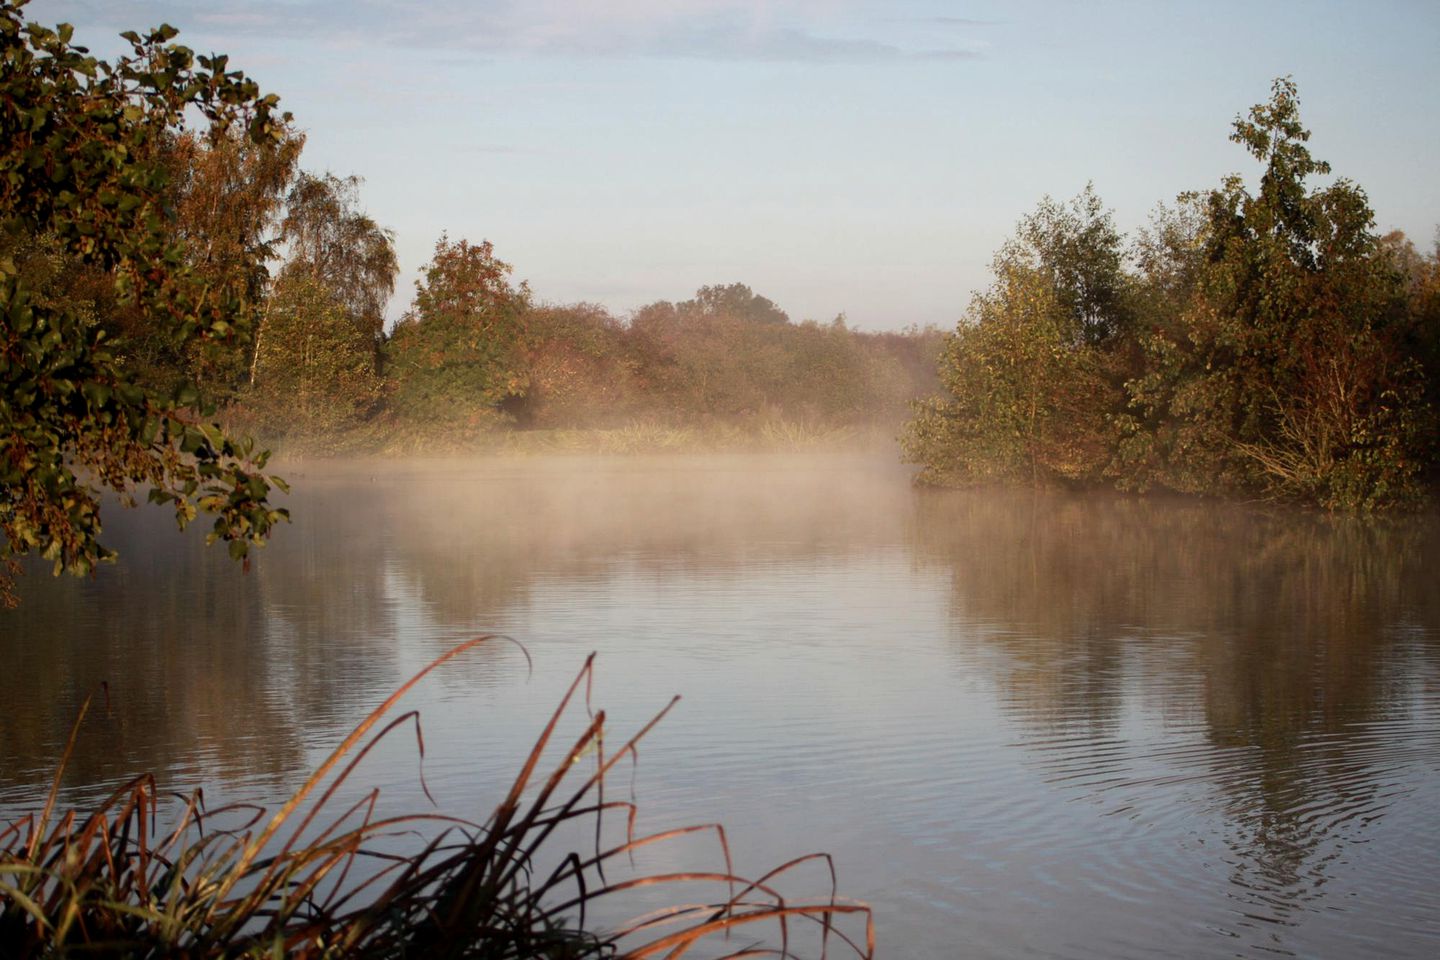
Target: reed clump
(312, 881)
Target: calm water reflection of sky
(1053, 725)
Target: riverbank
(382, 439)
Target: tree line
(1260, 342)
(475, 351)
(173, 281)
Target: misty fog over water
(1025, 724)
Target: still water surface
(1025, 725)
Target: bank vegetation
(1255, 340)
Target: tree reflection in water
(1117, 711)
(1282, 641)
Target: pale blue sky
(855, 156)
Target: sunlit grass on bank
(313, 882)
(641, 436)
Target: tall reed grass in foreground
(309, 881)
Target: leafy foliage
(1282, 372)
(1080, 254)
(714, 367)
(1026, 392)
(313, 370)
(332, 241)
(1022, 400)
(1265, 343)
(578, 371)
(735, 301)
(84, 184)
(227, 195)
(457, 353)
(315, 366)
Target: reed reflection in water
(1047, 725)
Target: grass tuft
(308, 881)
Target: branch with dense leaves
(83, 177)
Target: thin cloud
(247, 20)
(498, 149)
(959, 22)
(943, 55)
(942, 21)
(720, 30)
(729, 40)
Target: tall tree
(1027, 385)
(315, 374)
(1080, 253)
(735, 301)
(335, 242)
(457, 353)
(225, 194)
(316, 363)
(229, 196)
(1021, 399)
(80, 174)
(1283, 372)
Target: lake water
(1025, 725)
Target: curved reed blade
(54, 794)
(206, 888)
(355, 736)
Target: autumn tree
(1283, 372)
(1025, 392)
(315, 374)
(456, 354)
(1258, 342)
(577, 371)
(1080, 254)
(734, 301)
(81, 176)
(316, 364)
(732, 356)
(225, 194)
(333, 241)
(710, 365)
(1020, 400)
(1418, 275)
